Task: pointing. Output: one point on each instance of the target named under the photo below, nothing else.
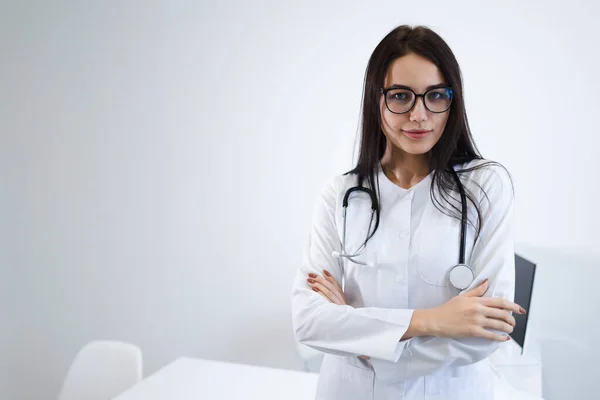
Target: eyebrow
(436, 86)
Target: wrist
(425, 322)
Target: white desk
(193, 379)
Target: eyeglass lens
(402, 100)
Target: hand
(469, 314)
(329, 288)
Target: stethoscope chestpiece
(461, 276)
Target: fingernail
(507, 338)
(312, 275)
(310, 280)
(326, 273)
(315, 289)
(484, 281)
(522, 310)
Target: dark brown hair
(455, 146)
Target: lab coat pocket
(339, 380)
(371, 286)
(438, 249)
(435, 260)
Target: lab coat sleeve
(493, 258)
(339, 329)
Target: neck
(405, 170)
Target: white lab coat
(412, 253)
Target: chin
(416, 152)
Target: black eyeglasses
(400, 100)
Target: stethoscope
(461, 275)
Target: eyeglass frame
(384, 91)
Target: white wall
(563, 325)
(160, 160)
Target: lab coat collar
(388, 188)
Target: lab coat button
(403, 235)
(399, 278)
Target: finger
(328, 283)
(499, 314)
(484, 333)
(331, 279)
(325, 291)
(498, 325)
(340, 291)
(498, 302)
(477, 291)
(337, 291)
(319, 292)
(332, 295)
(311, 282)
(315, 277)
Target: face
(418, 130)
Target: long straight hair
(455, 146)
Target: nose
(418, 112)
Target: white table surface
(193, 379)
(190, 378)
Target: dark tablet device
(524, 277)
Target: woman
(401, 326)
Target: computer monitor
(524, 277)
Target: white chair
(101, 370)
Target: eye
(402, 96)
(439, 95)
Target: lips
(416, 133)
